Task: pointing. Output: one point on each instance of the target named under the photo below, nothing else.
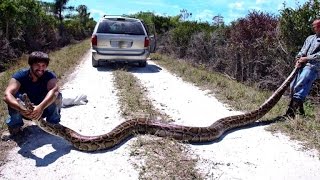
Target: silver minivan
(121, 39)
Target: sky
(202, 10)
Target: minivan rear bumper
(121, 57)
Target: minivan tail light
(94, 40)
(146, 42)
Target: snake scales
(149, 126)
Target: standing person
(309, 60)
(41, 87)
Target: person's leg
(14, 123)
(304, 82)
(52, 112)
(15, 119)
(294, 106)
(301, 88)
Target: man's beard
(34, 72)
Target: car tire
(143, 64)
(95, 63)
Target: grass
(163, 158)
(244, 98)
(305, 129)
(133, 102)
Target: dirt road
(248, 153)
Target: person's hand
(36, 113)
(301, 61)
(26, 113)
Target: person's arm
(302, 57)
(11, 100)
(304, 49)
(49, 99)
(315, 56)
(316, 53)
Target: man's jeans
(51, 113)
(302, 85)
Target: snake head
(22, 104)
(26, 103)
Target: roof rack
(113, 15)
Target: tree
(295, 25)
(83, 14)
(217, 20)
(48, 7)
(59, 7)
(184, 14)
(8, 12)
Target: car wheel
(143, 64)
(95, 63)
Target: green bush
(295, 25)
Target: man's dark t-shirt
(36, 91)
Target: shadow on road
(150, 68)
(34, 139)
(252, 125)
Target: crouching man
(42, 89)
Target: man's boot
(301, 109)
(294, 105)
(6, 135)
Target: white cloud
(256, 8)
(236, 5)
(96, 13)
(205, 15)
(232, 16)
(261, 1)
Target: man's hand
(31, 111)
(301, 61)
(26, 113)
(36, 113)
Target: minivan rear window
(120, 27)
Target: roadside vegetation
(52, 25)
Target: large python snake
(149, 126)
